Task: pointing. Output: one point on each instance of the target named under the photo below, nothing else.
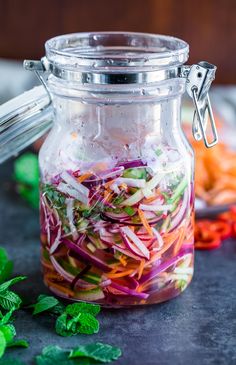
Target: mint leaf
(45, 303)
(6, 318)
(8, 331)
(74, 309)
(97, 351)
(6, 266)
(61, 326)
(18, 343)
(83, 323)
(9, 300)
(10, 282)
(10, 361)
(52, 355)
(2, 344)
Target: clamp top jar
(116, 169)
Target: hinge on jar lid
(39, 67)
(199, 78)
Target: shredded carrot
(108, 195)
(108, 184)
(74, 135)
(141, 268)
(145, 222)
(119, 274)
(84, 177)
(149, 200)
(122, 260)
(182, 233)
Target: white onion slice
(138, 243)
(156, 207)
(64, 188)
(75, 183)
(158, 236)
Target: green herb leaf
(10, 282)
(74, 309)
(97, 351)
(6, 266)
(18, 343)
(61, 326)
(82, 323)
(8, 331)
(44, 303)
(52, 355)
(10, 361)
(9, 300)
(6, 318)
(2, 344)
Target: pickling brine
(119, 236)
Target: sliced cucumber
(136, 173)
(90, 295)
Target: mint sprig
(97, 351)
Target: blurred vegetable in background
(26, 175)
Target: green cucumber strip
(129, 210)
(136, 173)
(178, 191)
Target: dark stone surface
(198, 327)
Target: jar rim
(96, 51)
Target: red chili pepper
(206, 239)
(233, 233)
(209, 242)
(222, 228)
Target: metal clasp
(40, 68)
(199, 79)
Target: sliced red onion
(57, 240)
(114, 217)
(65, 189)
(163, 266)
(131, 247)
(132, 164)
(133, 283)
(74, 183)
(86, 255)
(103, 176)
(137, 242)
(105, 283)
(128, 291)
(181, 213)
(70, 216)
(67, 276)
(127, 252)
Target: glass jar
(117, 191)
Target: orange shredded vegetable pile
(215, 174)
